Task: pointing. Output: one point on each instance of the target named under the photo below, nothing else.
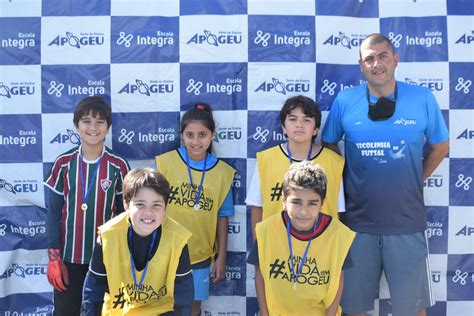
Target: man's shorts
(403, 258)
(201, 283)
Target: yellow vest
(156, 295)
(318, 282)
(203, 222)
(273, 163)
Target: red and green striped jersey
(78, 228)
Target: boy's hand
(57, 272)
(218, 270)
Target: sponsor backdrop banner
(152, 59)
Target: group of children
(146, 242)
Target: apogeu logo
(465, 38)
(466, 134)
(22, 272)
(345, 41)
(4, 185)
(19, 186)
(290, 86)
(434, 181)
(432, 84)
(228, 133)
(221, 38)
(153, 87)
(17, 89)
(70, 136)
(405, 122)
(466, 231)
(84, 39)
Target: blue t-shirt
(227, 207)
(383, 175)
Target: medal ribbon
(91, 184)
(198, 196)
(147, 259)
(295, 276)
(289, 152)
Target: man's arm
(260, 289)
(333, 147)
(53, 219)
(255, 217)
(219, 268)
(254, 200)
(434, 157)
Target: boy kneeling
(141, 259)
(299, 253)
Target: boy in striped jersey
(85, 191)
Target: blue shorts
(201, 283)
(403, 259)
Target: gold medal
(196, 207)
(86, 193)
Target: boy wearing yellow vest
(300, 118)
(140, 264)
(299, 254)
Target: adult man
(386, 124)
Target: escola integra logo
(230, 86)
(428, 39)
(22, 41)
(297, 39)
(160, 39)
